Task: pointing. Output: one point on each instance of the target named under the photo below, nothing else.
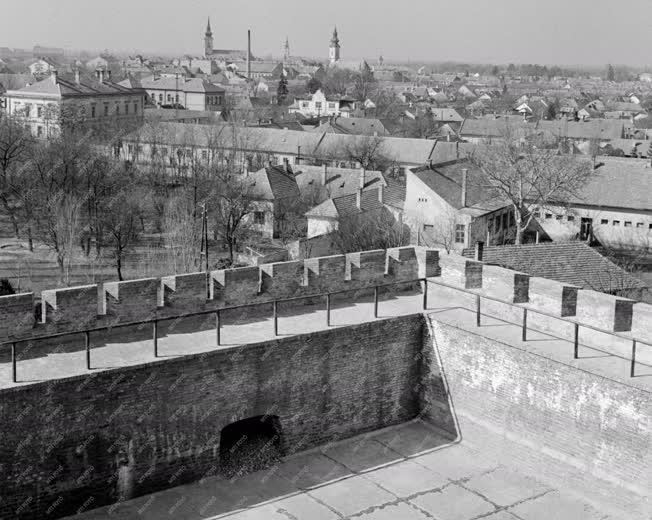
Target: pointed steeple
(208, 28)
(286, 49)
(335, 39)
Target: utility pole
(204, 236)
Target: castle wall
(135, 430)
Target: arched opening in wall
(250, 445)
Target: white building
(47, 104)
(319, 105)
(190, 93)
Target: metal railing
(218, 319)
(524, 324)
(328, 296)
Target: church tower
(286, 50)
(334, 51)
(208, 40)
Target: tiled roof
(181, 84)
(339, 181)
(352, 125)
(619, 183)
(347, 205)
(446, 181)
(273, 183)
(61, 87)
(570, 262)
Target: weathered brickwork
(554, 297)
(131, 300)
(184, 292)
(457, 270)
(604, 311)
(506, 284)
(74, 306)
(16, 314)
(595, 424)
(140, 429)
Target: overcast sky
(591, 32)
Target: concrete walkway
(407, 472)
(601, 354)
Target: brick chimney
(358, 199)
(465, 173)
(381, 190)
(324, 175)
(77, 75)
(363, 174)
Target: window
(548, 216)
(318, 105)
(126, 108)
(39, 131)
(459, 233)
(106, 110)
(604, 222)
(331, 106)
(639, 224)
(92, 110)
(504, 221)
(428, 227)
(204, 155)
(616, 222)
(164, 151)
(570, 218)
(304, 104)
(39, 111)
(117, 109)
(160, 98)
(135, 108)
(559, 217)
(628, 223)
(259, 217)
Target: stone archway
(250, 445)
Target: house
(47, 104)
(613, 209)
(573, 263)
(189, 93)
(321, 105)
(452, 205)
(273, 190)
(446, 115)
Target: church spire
(335, 39)
(286, 49)
(208, 28)
(334, 49)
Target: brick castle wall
(87, 441)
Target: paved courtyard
(406, 472)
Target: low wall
(598, 426)
(127, 432)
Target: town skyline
(487, 36)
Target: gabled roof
(446, 115)
(446, 181)
(569, 262)
(273, 183)
(181, 84)
(339, 181)
(352, 125)
(346, 205)
(619, 183)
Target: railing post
(275, 318)
(328, 310)
(376, 302)
(218, 327)
(633, 367)
(477, 310)
(13, 362)
(87, 341)
(155, 337)
(576, 351)
(524, 331)
(425, 294)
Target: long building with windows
(48, 104)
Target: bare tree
(529, 177)
(369, 230)
(442, 233)
(121, 223)
(183, 234)
(15, 145)
(233, 202)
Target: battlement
(75, 309)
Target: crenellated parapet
(74, 309)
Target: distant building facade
(48, 104)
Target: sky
(564, 32)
